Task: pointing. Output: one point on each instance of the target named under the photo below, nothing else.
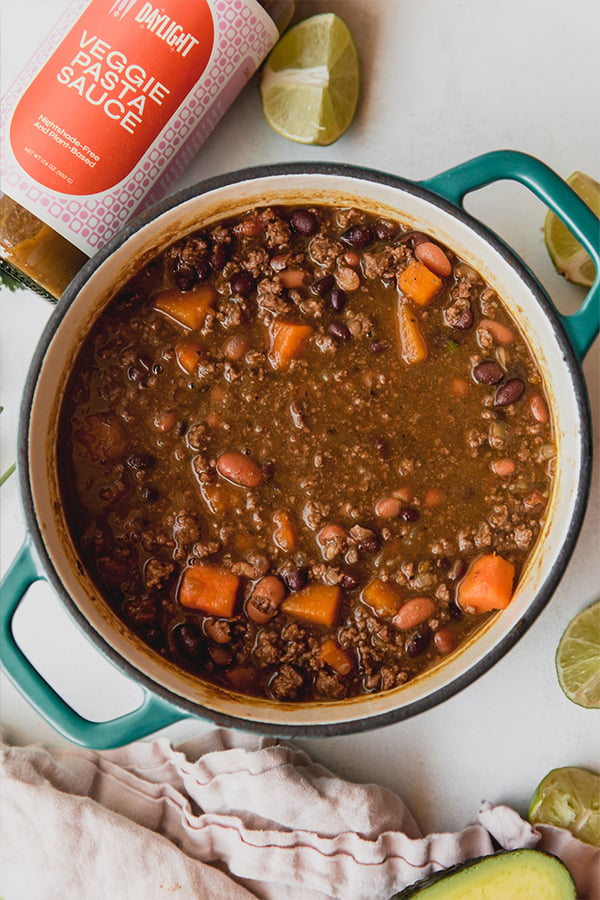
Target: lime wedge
(578, 658)
(310, 82)
(569, 257)
(569, 798)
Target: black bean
(155, 638)
(141, 461)
(295, 579)
(339, 331)
(410, 514)
(418, 642)
(488, 372)
(150, 494)
(337, 299)
(464, 320)
(349, 582)
(242, 283)
(459, 568)
(509, 392)
(323, 285)
(384, 231)
(187, 639)
(454, 611)
(304, 222)
(358, 236)
(415, 237)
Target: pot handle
(153, 714)
(582, 326)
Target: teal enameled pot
(435, 206)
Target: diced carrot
(211, 589)
(487, 585)
(318, 604)
(188, 355)
(336, 657)
(102, 437)
(287, 340)
(285, 533)
(413, 348)
(383, 597)
(188, 309)
(419, 283)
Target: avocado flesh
(515, 874)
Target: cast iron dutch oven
(435, 206)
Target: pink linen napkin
(228, 816)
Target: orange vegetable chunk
(318, 604)
(413, 348)
(188, 309)
(336, 657)
(383, 597)
(419, 283)
(211, 589)
(188, 355)
(287, 341)
(102, 437)
(284, 535)
(487, 585)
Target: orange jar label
(108, 90)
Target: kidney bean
(304, 222)
(539, 408)
(414, 612)
(239, 468)
(388, 508)
(322, 286)
(141, 461)
(219, 255)
(502, 334)
(292, 278)
(445, 640)
(295, 579)
(279, 262)
(220, 655)
(434, 258)
(349, 582)
(358, 236)
(509, 392)
(337, 299)
(242, 283)
(348, 279)
(503, 467)
(488, 372)
(464, 320)
(249, 228)
(418, 642)
(339, 331)
(166, 420)
(379, 346)
(187, 639)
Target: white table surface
(442, 82)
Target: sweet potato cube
(210, 589)
(188, 309)
(336, 657)
(419, 283)
(413, 348)
(188, 355)
(102, 437)
(318, 604)
(488, 584)
(287, 340)
(383, 597)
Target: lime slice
(578, 658)
(569, 798)
(311, 80)
(569, 257)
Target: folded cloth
(229, 816)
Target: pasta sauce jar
(108, 114)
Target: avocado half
(509, 875)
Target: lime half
(310, 82)
(569, 257)
(569, 798)
(578, 658)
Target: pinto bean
(236, 346)
(413, 613)
(265, 599)
(388, 508)
(502, 334)
(348, 279)
(434, 258)
(539, 408)
(445, 640)
(503, 467)
(239, 468)
(292, 278)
